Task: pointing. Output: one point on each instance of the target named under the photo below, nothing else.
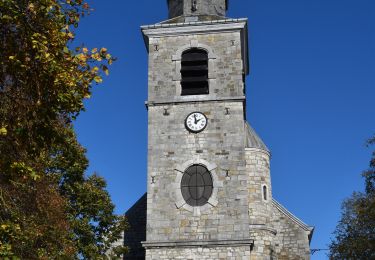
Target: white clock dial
(196, 122)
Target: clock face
(196, 122)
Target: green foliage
(355, 232)
(48, 207)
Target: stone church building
(209, 193)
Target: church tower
(209, 193)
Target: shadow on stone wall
(136, 233)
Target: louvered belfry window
(194, 72)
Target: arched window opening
(265, 192)
(194, 72)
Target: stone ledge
(192, 23)
(196, 243)
(194, 99)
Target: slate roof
(253, 140)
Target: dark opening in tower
(194, 72)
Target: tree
(48, 207)
(355, 232)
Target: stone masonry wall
(239, 210)
(217, 253)
(258, 168)
(221, 143)
(204, 7)
(225, 65)
(292, 242)
(260, 207)
(170, 146)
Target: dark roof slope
(253, 140)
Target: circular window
(196, 185)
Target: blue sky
(310, 96)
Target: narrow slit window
(194, 72)
(265, 192)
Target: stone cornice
(196, 29)
(197, 23)
(201, 27)
(197, 243)
(190, 99)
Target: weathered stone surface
(217, 253)
(293, 236)
(241, 219)
(226, 64)
(197, 7)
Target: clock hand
(195, 119)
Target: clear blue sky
(310, 96)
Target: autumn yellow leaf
(105, 69)
(3, 131)
(3, 226)
(98, 79)
(81, 57)
(31, 7)
(47, 81)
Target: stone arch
(265, 192)
(176, 59)
(179, 200)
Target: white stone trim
(179, 200)
(254, 227)
(157, 31)
(176, 58)
(194, 44)
(194, 99)
(202, 27)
